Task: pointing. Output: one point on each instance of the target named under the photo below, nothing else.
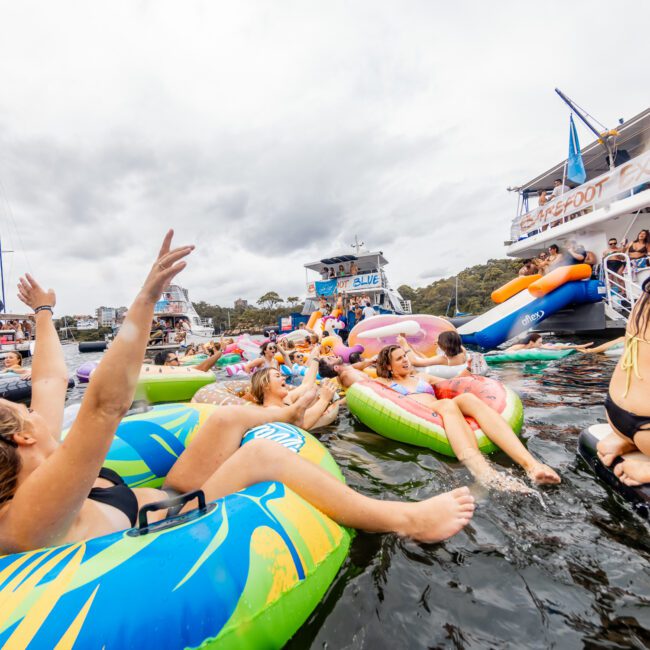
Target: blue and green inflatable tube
(245, 572)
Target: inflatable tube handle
(174, 505)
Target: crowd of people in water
(92, 501)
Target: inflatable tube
(639, 496)
(228, 359)
(194, 360)
(615, 351)
(223, 393)
(84, 371)
(169, 384)
(329, 342)
(236, 370)
(344, 351)
(558, 277)
(16, 389)
(297, 336)
(424, 340)
(444, 372)
(531, 354)
(513, 287)
(243, 572)
(93, 346)
(405, 327)
(401, 418)
(313, 318)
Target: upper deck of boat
(609, 201)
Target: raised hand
(166, 266)
(328, 389)
(33, 295)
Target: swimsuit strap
(630, 359)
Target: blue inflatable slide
(523, 311)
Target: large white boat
(175, 306)
(612, 203)
(369, 280)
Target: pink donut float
(421, 330)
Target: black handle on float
(173, 502)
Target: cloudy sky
(270, 133)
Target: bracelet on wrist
(44, 308)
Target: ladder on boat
(623, 286)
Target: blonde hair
(10, 464)
(259, 383)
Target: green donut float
(532, 354)
(401, 418)
(169, 384)
(244, 572)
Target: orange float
(313, 318)
(513, 287)
(558, 277)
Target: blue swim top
(422, 387)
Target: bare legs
(431, 520)
(220, 437)
(636, 470)
(500, 433)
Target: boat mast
(605, 138)
(357, 245)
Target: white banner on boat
(598, 190)
(352, 284)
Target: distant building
(240, 303)
(120, 314)
(86, 322)
(107, 316)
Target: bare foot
(439, 517)
(298, 408)
(612, 446)
(505, 483)
(633, 472)
(542, 474)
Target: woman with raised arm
(52, 493)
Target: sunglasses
(172, 359)
(612, 243)
(272, 348)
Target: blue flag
(575, 167)
(326, 287)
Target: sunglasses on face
(272, 348)
(612, 243)
(172, 359)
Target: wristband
(44, 308)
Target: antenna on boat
(357, 245)
(2, 279)
(605, 137)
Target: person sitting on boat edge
(626, 404)
(14, 364)
(92, 501)
(534, 341)
(395, 371)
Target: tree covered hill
(475, 284)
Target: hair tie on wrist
(44, 308)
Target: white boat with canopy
(369, 280)
(612, 203)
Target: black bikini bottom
(627, 423)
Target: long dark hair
(450, 343)
(647, 236)
(640, 314)
(384, 361)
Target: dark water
(568, 570)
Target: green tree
(269, 300)
(293, 301)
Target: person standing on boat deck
(368, 311)
(614, 264)
(325, 273)
(354, 269)
(341, 271)
(542, 198)
(638, 250)
(576, 253)
(332, 275)
(559, 188)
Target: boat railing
(623, 286)
(406, 306)
(170, 307)
(614, 185)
